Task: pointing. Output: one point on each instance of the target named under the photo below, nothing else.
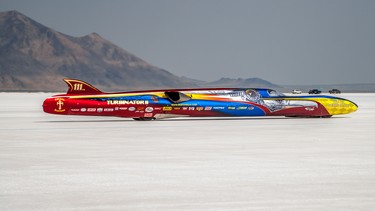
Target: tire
(144, 118)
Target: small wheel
(144, 118)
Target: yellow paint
(334, 106)
(337, 106)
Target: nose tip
(346, 107)
(350, 106)
(336, 106)
(354, 106)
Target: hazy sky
(283, 41)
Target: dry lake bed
(52, 162)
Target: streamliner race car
(84, 99)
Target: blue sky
(286, 42)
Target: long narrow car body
(84, 99)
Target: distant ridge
(239, 82)
(35, 57)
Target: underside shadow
(267, 118)
(86, 121)
(187, 119)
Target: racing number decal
(78, 87)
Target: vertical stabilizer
(77, 87)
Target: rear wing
(77, 87)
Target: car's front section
(309, 106)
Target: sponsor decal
(99, 110)
(167, 108)
(338, 104)
(91, 109)
(59, 104)
(148, 115)
(251, 107)
(231, 107)
(177, 108)
(131, 109)
(157, 108)
(310, 108)
(184, 108)
(149, 109)
(218, 108)
(208, 108)
(116, 108)
(241, 108)
(140, 108)
(75, 109)
(83, 109)
(200, 108)
(127, 102)
(123, 108)
(109, 109)
(191, 108)
(185, 104)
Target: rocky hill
(240, 82)
(35, 57)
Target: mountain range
(34, 57)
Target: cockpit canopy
(266, 93)
(177, 97)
